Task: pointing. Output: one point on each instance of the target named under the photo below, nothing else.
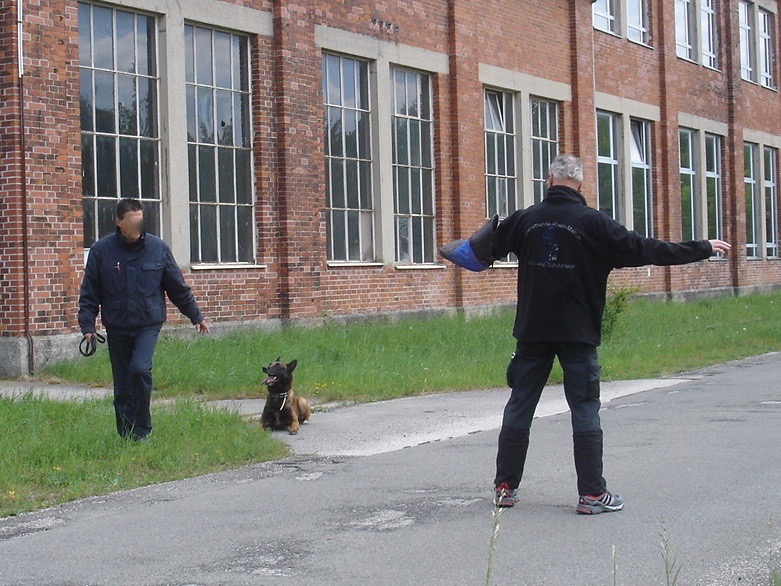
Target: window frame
(364, 167)
(539, 143)
(197, 150)
(614, 161)
(103, 207)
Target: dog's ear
(277, 360)
(291, 366)
(264, 369)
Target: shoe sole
(596, 510)
(504, 504)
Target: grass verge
(383, 360)
(68, 450)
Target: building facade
(306, 159)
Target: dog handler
(127, 276)
(565, 252)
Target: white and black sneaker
(603, 503)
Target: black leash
(88, 346)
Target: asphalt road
(698, 462)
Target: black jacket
(565, 252)
(129, 282)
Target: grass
(383, 360)
(68, 450)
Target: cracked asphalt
(399, 493)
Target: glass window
(118, 98)
(348, 161)
(684, 47)
(708, 39)
(413, 166)
(688, 177)
(604, 15)
(637, 21)
(607, 163)
(500, 175)
(747, 53)
(642, 201)
(750, 191)
(766, 49)
(713, 186)
(219, 146)
(771, 201)
(544, 143)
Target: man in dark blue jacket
(127, 276)
(565, 252)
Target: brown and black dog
(283, 409)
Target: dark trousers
(131, 366)
(527, 374)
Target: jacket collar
(130, 246)
(562, 193)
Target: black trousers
(526, 375)
(131, 366)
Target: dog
(283, 410)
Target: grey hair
(566, 166)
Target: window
(544, 143)
(688, 183)
(120, 141)
(708, 38)
(413, 180)
(500, 176)
(766, 51)
(747, 54)
(218, 142)
(604, 15)
(607, 16)
(642, 202)
(713, 186)
(771, 201)
(350, 204)
(607, 164)
(684, 33)
(752, 207)
(637, 21)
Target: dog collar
(284, 398)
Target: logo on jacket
(549, 245)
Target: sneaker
(504, 496)
(604, 503)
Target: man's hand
(202, 328)
(89, 337)
(719, 246)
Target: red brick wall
(557, 43)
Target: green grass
(383, 360)
(67, 450)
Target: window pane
(222, 59)
(208, 233)
(147, 107)
(206, 174)
(226, 172)
(245, 228)
(244, 176)
(203, 56)
(205, 115)
(150, 169)
(128, 110)
(189, 55)
(103, 32)
(227, 234)
(85, 35)
(106, 166)
(337, 184)
(104, 102)
(87, 166)
(224, 117)
(126, 42)
(86, 103)
(128, 167)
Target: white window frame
(544, 147)
(501, 169)
(685, 35)
(747, 40)
(751, 193)
(610, 161)
(382, 57)
(770, 200)
(697, 40)
(690, 173)
(612, 17)
(709, 39)
(766, 52)
(713, 176)
(357, 218)
(644, 164)
(605, 16)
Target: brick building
(306, 159)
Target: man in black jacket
(565, 252)
(127, 276)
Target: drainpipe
(23, 161)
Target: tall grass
(382, 360)
(66, 450)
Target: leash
(88, 346)
(284, 395)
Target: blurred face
(131, 225)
